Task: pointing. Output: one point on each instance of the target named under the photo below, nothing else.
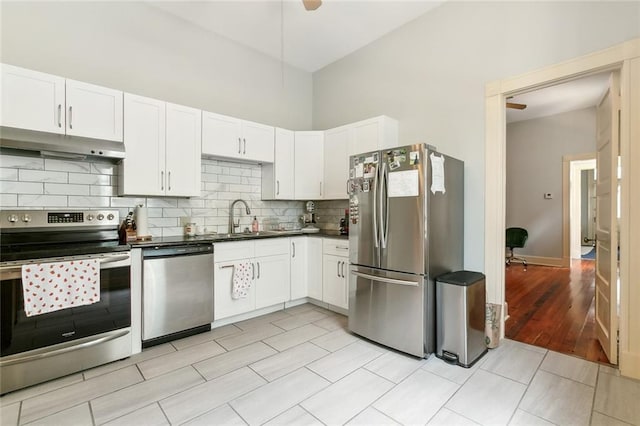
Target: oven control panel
(46, 218)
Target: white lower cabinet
(268, 262)
(335, 272)
(306, 267)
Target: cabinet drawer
(271, 247)
(233, 250)
(335, 246)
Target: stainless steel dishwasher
(177, 292)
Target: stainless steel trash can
(460, 317)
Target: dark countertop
(221, 238)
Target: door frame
(572, 166)
(624, 57)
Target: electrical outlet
(548, 195)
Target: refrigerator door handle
(375, 208)
(384, 206)
(385, 280)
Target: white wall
(431, 73)
(534, 167)
(140, 49)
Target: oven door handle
(62, 348)
(106, 262)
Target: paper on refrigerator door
(437, 173)
(403, 184)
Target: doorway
(626, 58)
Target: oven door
(77, 325)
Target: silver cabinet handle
(70, 116)
(169, 180)
(277, 187)
(244, 151)
(253, 271)
(59, 115)
(258, 270)
(342, 269)
(321, 189)
(239, 145)
(293, 246)
(385, 280)
(162, 180)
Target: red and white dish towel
(241, 280)
(49, 287)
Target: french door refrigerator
(406, 212)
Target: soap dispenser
(254, 224)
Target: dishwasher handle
(157, 252)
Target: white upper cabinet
(336, 162)
(162, 143)
(373, 134)
(309, 153)
(183, 155)
(278, 177)
(32, 100)
(37, 101)
(229, 137)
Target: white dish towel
(241, 280)
(48, 287)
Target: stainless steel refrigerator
(406, 228)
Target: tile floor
(301, 367)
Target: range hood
(55, 145)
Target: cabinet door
(93, 111)
(284, 165)
(315, 267)
(143, 169)
(272, 280)
(309, 155)
(366, 136)
(225, 305)
(336, 163)
(334, 272)
(32, 100)
(184, 137)
(257, 142)
(299, 272)
(221, 135)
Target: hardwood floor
(554, 308)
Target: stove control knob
(100, 216)
(90, 217)
(26, 218)
(13, 218)
(110, 216)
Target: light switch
(548, 195)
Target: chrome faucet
(232, 223)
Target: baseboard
(630, 364)
(546, 261)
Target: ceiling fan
(311, 4)
(514, 105)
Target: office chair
(516, 238)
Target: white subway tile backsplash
(14, 187)
(42, 176)
(67, 165)
(66, 189)
(20, 162)
(29, 182)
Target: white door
(336, 163)
(93, 111)
(334, 287)
(143, 169)
(272, 280)
(184, 133)
(606, 219)
(366, 137)
(32, 100)
(284, 164)
(309, 147)
(257, 142)
(314, 267)
(221, 135)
